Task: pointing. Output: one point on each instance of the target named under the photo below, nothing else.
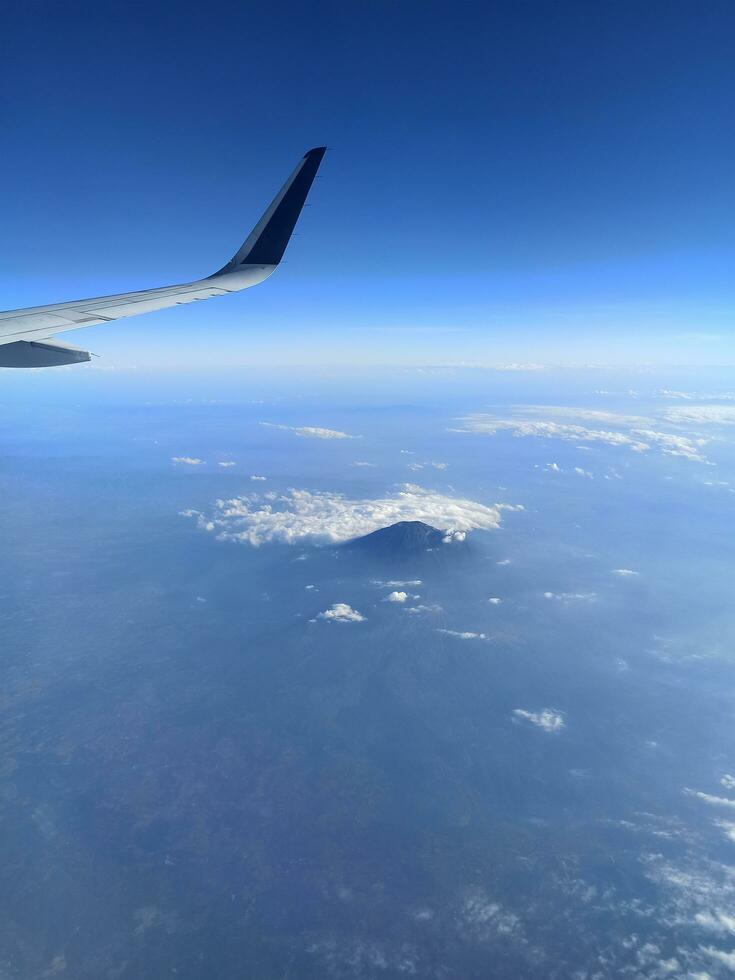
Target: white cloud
(721, 956)
(487, 920)
(570, 596)
(300, 515)
(586, 473)
(415, 466)
(504, 561)
(728, 829)
(494, 600)
(548, 719)
(424, 609)
(187, 460)
(361, 462)
(310, 431)
(226, 464)
(638, 436)
(701, 415)
(711, 800)
(440, 466)
(624, 572)
(716, 921)
(728, 781)
(341, 612)
(553, 467)
(258, 479)
(464, 635)
(454, 536)
(396, 597)
(397, 584)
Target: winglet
(267, 242)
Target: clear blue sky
(506, 181)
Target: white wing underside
(27, 337)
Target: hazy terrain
(235, 747)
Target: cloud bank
(330, 518)
(310, 431)
(632, 432)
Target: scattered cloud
(396, 597)
(300, 515)
(187, 461)
(310, 431)
(633, 432)
(548, 719)
(226, 464)
(728, 781)
(553, 467)
(503, 561)
(341, 612)
(494, 600)
(397, 583)
(464, 635)
(701, 415)
(258, 479)
(711, 800)
(624, 572)
(722, 957)
(361, 462)
(571, 596)
(424, 609)
(487, 920)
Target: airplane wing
(27, 337)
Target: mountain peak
(402, 538)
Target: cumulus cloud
(454, 536)
(310, 431)
(424, 609)
(300, 515)
(258, 479)
(187, 461)
(728, 781)
(494, 600)
(553, 467)
(396, 597)
(341, 612)
(548, 720)
(464, 635)
(226, 464)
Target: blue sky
(528, 182)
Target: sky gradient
(521, 182)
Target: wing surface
(27, 336)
